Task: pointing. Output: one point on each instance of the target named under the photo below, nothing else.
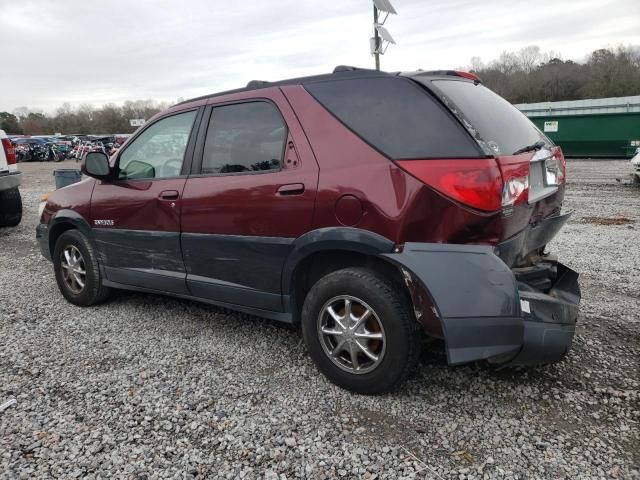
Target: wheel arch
(326, 250)
(63, 221)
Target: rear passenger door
(252, 194)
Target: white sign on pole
(551, 126)
(137, 122)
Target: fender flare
(332, 238)
(66, 216)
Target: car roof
(341, 72)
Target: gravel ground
(153, 387)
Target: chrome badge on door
(105, 223)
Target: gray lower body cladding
(483, 308)
(485, 312)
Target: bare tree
(529, 58)
(476, 64)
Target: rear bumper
(537, 236)
(549, 319)
(10, 180)
(484, 312)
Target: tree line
(528, 75)
(86, 119)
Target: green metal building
(603, 127)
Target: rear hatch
(531, 166)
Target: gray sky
(96, 51)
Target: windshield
(499, 127)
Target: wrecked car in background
(635, 167)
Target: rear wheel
(360, 331)
(77, 272)
(10, 207)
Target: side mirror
(96, 165)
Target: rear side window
(396, 116)
(502, 128)
(244, 137)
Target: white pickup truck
(10, 177)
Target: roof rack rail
(344, 68)
(257, 83)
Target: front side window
(158, 152)
(244, 137)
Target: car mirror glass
(96, 164)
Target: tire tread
(97, 292)
(10, 207)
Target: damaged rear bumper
(487, 311)
(549, 319)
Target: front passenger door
(136, 218)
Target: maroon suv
(370, 208)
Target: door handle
(291, 189)
(169, 195)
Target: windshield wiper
(530, 148)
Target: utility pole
(376, 36)
(381, 36)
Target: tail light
(491, 184)
(9, 151)
(469, 75)
(454, 73)
(473, 182)
(562, 165)
(515, 175)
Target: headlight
(43, 203)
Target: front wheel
(360, 330)
(77, 272)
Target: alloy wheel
(74, 271)
(351, 334)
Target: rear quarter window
(397, 117)
(498, 126)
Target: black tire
(10, 207)
(93, 291)
(393, 309)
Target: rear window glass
(502, 128)
(396, 116)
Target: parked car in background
(31, 149)
(10, 177)
(369, 208)
(121, 138)
(36, 149)
(62, 147)
(635, 167)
